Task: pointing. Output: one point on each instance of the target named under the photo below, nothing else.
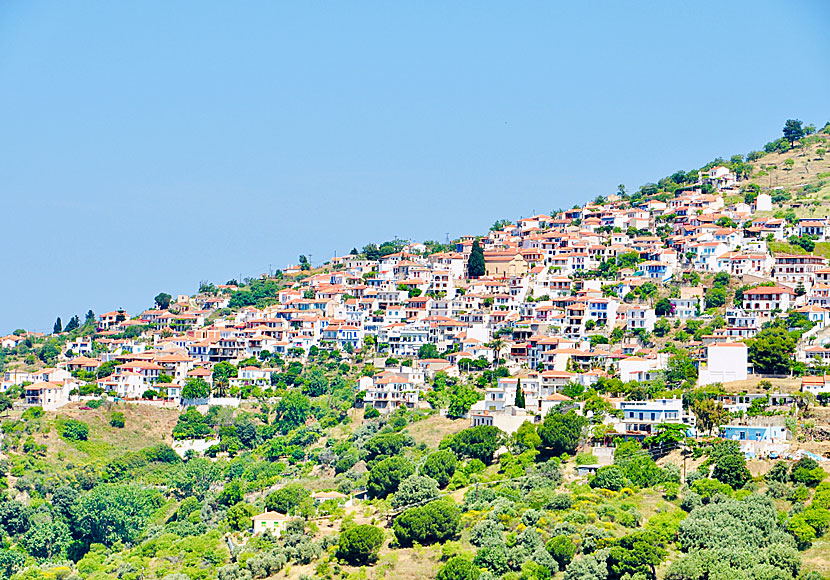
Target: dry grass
(144, 426)
(433, 429)
(751, 386)
(818, 557)
(807, 164)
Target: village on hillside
(634, 388)
(618, 308)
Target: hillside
(631, 389)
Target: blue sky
(147, 146)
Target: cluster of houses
(542, 297)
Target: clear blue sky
(145, 146)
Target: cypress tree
(58, 326)
(520, 396)
(475, 264)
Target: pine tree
(475, 264)
(58, 326)
(520, 396)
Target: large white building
(725, 362)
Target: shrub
(609, 477)
(359, 545)
(74, 430)
(458, 568)
(562, 549)
(117, 420)
(731, 469)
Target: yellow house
(273, 522)
(503, 264)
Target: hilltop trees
(475, 263)
(793, 131)
(58, 326)
(162, 300)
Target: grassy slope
(806, 170)
(144, 426)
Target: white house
(725, 362)
(640, 317)
(273, 522)
(643, 416)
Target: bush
(74, 430)
(437, 521)
(562, 549)
(359, 545)
(371, 413)
(731, 469)
(117, 420)
(458, 568)
(808, 472)
(609, 477)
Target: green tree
(560, 432)
(731, 469)
(112, 513)
(73, 324)
(709, 414)
(436, 521)
(663, 307)
(222, 373)
(715, 297)
(475, 263)
(287, 499)
(440, 466)
(194, 477)
(386, 475)
(562, 549)
(428, 350)
(637, 553)
(162, 300)
(520, 395)
(195, 388)
(462, 397)
(293, 410)
(609, 477)
(387, 445)
(5, 403)
(58, 327)
(480, 442)
(415, 489)
(458, 568)
(47, 537)
(359, 545)
(793, 131)
(771, 351)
